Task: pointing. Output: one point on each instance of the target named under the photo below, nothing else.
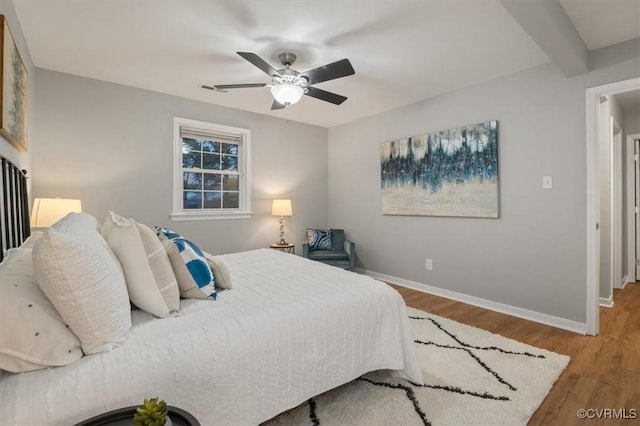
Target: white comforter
(290, 329)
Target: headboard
(14, 207)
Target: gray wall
(534, 255)
(22, 159)
(111, 146)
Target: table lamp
(47, 211)
(281, 208)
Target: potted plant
(153, 412)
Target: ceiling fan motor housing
(287, 74)
(287, 58)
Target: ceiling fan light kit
(288, 85)
(287, 94)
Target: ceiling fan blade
(330, 71)
(237, 86)
(277, 105)
(323, 95)
(259, 62)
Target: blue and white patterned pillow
(319, 239)
(195, 279)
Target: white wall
(111, 146)
(21, 159)
(619, 182)
(604, 195)
(610, 108)
(632, 121)
(631, 127)
(534, 255)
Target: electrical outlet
(429, 265)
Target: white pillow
(195, 279)
(82, 224)
(76, 223)
(26, 244)
(32, 333)
(29, 242)
(220, 271)
(84, 282)
(150, 280)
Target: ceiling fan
(288, 85)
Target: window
(211, 171)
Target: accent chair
(336, 250)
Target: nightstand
(287, 248)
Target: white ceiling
(602, 23)
(403, 51)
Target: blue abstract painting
(446, 173)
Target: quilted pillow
(76, 223)
(81, 277)
(150, 280)
(195, 279)
(319, 239)
(32, 333)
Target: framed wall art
(446, 173)
(13, 100)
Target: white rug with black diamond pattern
(471, 377)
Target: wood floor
(604, 372)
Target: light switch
(547, 182)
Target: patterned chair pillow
(195, 279)
(319, 239)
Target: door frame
(630, 147)
(593, 288)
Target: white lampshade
(47, 211)
(281, 208)
(287, 94)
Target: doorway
(594, 95)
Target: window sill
(187, 216)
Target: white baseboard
(606, 302)
(621, 284)
(625, 281)
(527, 314)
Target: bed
(289, 329)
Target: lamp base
(282, 241)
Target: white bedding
(290, 329)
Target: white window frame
(244, 167)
